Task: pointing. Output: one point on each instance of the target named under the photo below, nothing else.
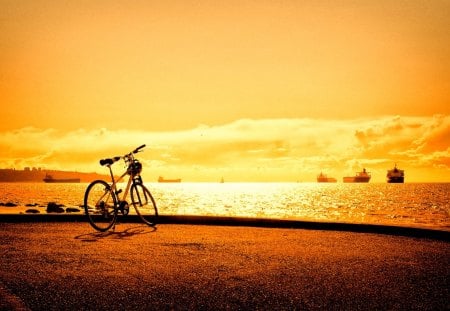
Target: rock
(52, 207)
(10, 204)
(32, 211)
(72, 210)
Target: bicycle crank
(124, 208)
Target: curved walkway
(246, 222)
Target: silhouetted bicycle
(102, 200)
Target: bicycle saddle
(109, 161)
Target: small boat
(162, 179)
(324, 178)
(360, 177)
(49, 179)
(395, 175)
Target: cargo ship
(324, 178)
(360, 177)
(395, 175)
(162, 179)
(49, 179)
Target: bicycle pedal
(124, 208)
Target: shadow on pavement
(113, 234)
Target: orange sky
(252, 90)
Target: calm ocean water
(417, 205)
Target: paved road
(56, 266)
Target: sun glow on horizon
(250, 150)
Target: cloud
(269, 149)
(413, 138)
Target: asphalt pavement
(69, 266)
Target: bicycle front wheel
(144, 204)
(100, 205)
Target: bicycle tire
(100, 205)
(144, 204)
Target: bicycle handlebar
(138, 148)
(110, 161)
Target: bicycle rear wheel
(100, 205)
(144, 204)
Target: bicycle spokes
(100, 205)
(144, 204)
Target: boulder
(72, 210)
(52, 207)
(32, 211)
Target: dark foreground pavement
(68, 266)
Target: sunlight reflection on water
(420, 205)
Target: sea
(422, 205)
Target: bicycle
(102, 200)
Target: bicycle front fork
(137, 180)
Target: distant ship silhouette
(395, 175)
(362, 177)
(162, 179)
(324, 178)
(49, 179)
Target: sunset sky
(245, 90)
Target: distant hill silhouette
(37, 175)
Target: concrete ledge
(312, 225)
(245, 222)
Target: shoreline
(378, 204)
(407, 231)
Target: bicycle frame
(132, 179)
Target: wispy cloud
(270, 149)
